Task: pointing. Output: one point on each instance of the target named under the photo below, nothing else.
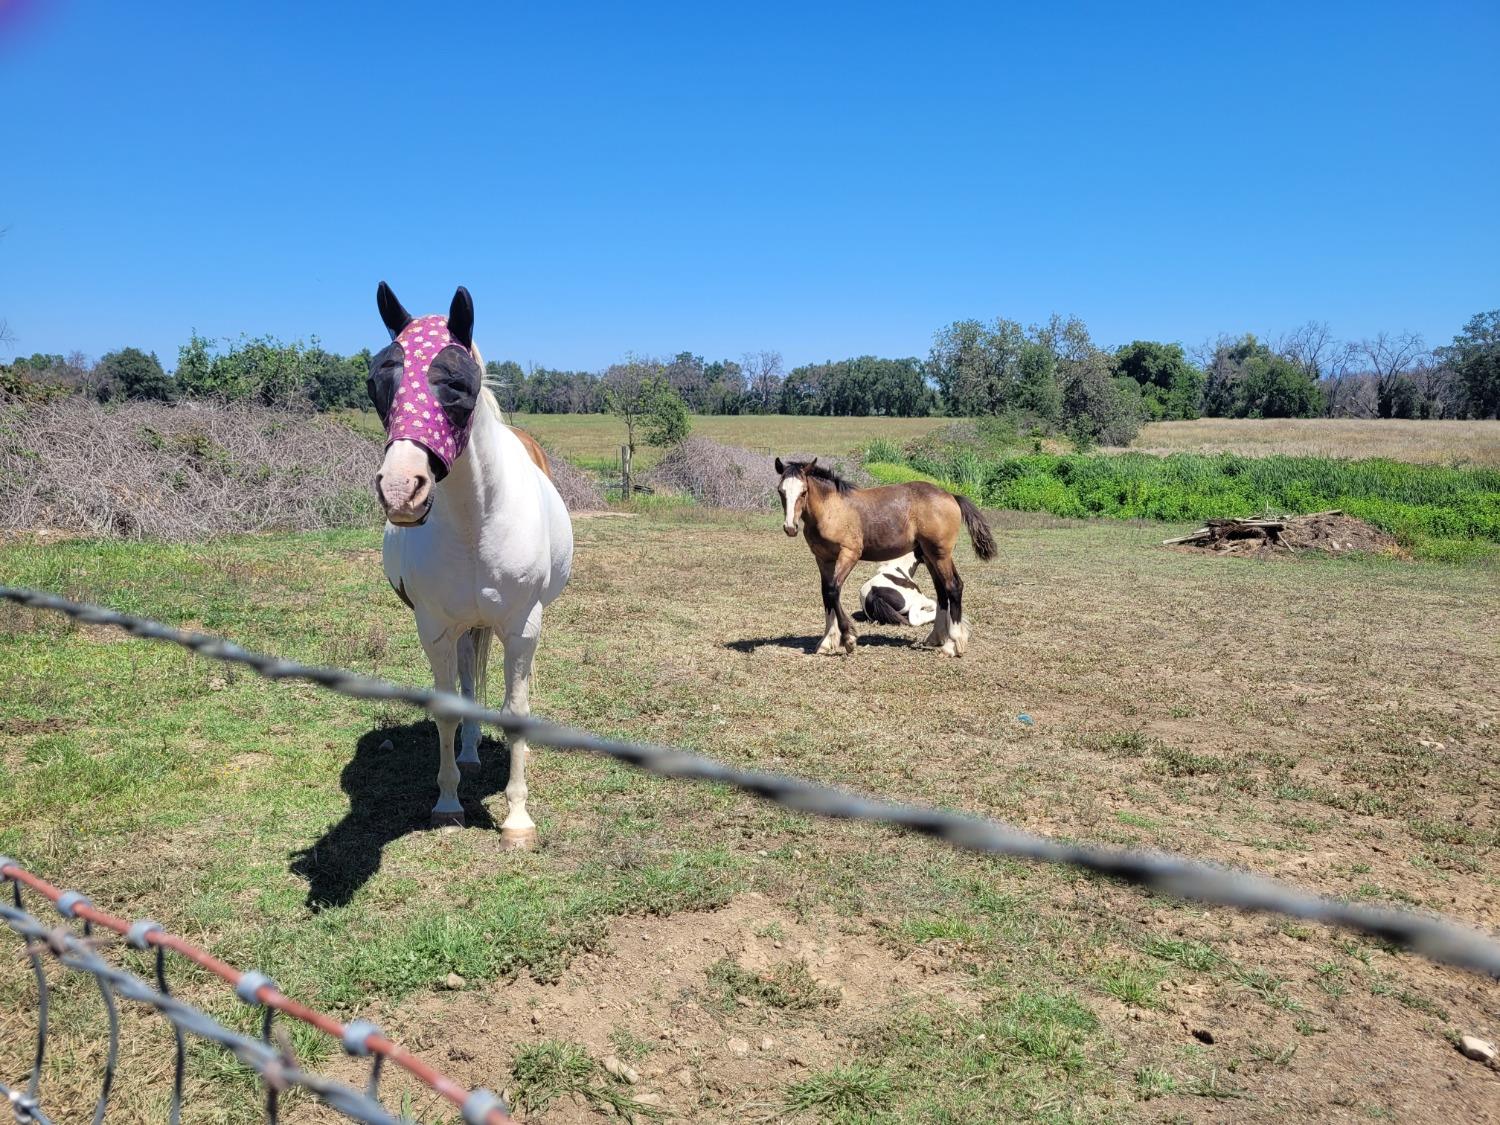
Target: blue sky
(821, 179)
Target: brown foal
(845, 525)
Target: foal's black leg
(834, 575)
(949, 631)
(847, 635)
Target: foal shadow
(391, 793)
(809, 645)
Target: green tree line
(1051, 374)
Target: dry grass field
(1440, 443)
(594, 440)
(1329, 721)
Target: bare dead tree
(763, 376)
(1391, 357)
(1314, 348)
(1438, 389)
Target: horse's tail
(979, 531)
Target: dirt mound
(1332, 532)
(696, 1004)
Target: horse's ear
(461, 317)
(780, 468)
(391, 310)
(813, 462)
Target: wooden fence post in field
(625, 472)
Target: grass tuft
(557, 1068)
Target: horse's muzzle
(418, 522)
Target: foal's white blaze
(792, 489)
(404, 483)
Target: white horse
(477, 539)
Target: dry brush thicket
(578, 490)
(726, 476)
(149, 470)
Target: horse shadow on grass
(809, 645)
(391, 793)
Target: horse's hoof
(950, 649)
(849, 644)
(447, 819)
(468, 769)
(518, 839)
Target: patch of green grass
(1135, 820)
(789, 986)
(1047, 1026)
(923, 930)
(555, 1068)
(1153, 1082)
(1024, 1057)
(1184, 763)
(1267, 986)
(1455, 833)
(1196, 955)
(1420, 1003)
(1331, 979)
(1129, 982)
(853, 1092)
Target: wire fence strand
(359, 1037)
(1435, 938)
(277, 1072)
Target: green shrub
(1433, 510)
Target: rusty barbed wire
(275, 1070)
(359, 1038)
(1435, 938)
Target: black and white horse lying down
(892, 598)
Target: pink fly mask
(426, 384)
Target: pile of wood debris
(1332, 532)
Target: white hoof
(959, 636)
(829, 646)
(518, 839)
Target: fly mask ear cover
(434, 403)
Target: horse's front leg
(838, 627)
(442, 654)
(473, 656)
(518, 830)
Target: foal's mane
(824, 473)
